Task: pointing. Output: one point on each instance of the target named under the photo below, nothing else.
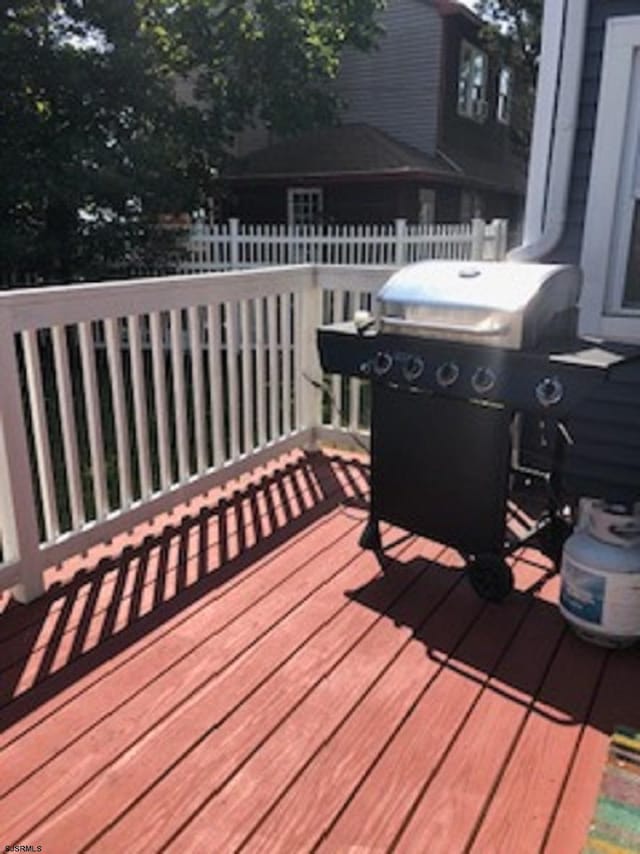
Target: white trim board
(607, 226)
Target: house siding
(407, 61)
(603, 460)
(570, 248)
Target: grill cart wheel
(491, 577)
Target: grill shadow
(577, 683)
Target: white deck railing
(120, 400)
(234, 246)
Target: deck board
(187, 656)
(239, 675)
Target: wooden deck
(241, 676)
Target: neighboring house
(425, 135)
(583, 199)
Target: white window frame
(504, 106)
(474, 103)
(306, 194)
(613, 189)
(471, 206)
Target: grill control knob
(549, 391)
(483, 380)
(447, 374)
(382, 363)
(413, 368)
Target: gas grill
(459, 355)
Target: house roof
(450, 7)
(361, 151)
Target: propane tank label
(608, 600)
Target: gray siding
(396, 88)
(570, 247)
(604, 460)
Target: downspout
(554, 130)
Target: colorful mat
(615, 828)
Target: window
(472, 83)
(304, 205)
(471, 206)
(505, 95)
(610, 306)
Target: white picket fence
(233, 246)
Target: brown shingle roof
(348, 149)
(359, 150)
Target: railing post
(20, 534)
(501, 227)
(401, 253)
(310, 368)
(234, 243)
(478, 237)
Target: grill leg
(370, 537)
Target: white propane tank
(600, 575)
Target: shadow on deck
(103, 610)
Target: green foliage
(97, 138)
(513, 33)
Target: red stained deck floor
(241, 676)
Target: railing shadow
(103, 611)
(557, 676)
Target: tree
(96, 142)
(513, 33)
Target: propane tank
(600, 575)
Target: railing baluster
(298, 344)
(179, 397)
(261, 397)
(94, 422)
(41, 434)
(272, 329)
(285, 327)
(216, 396)
(233, 400)
(114, 355)
(354, 383)
(140, 406)
(195, 345)
(247, 372)
(160, 398)
(336, 381)
(68, 424)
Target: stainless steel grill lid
(503, 304)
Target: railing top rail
(34, 308)
(349, 278)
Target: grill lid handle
(457, 328)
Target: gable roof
(362, 151)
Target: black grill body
(439, 468)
